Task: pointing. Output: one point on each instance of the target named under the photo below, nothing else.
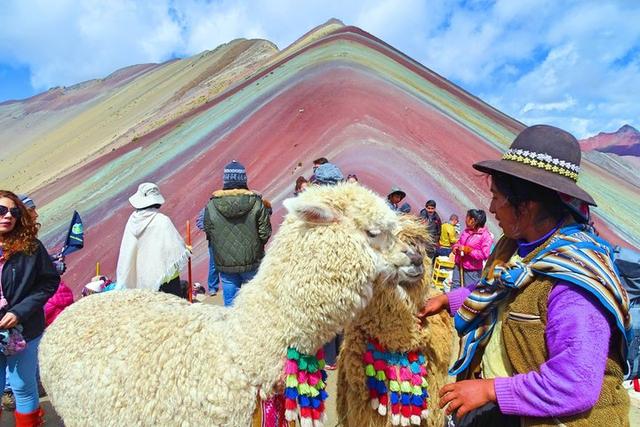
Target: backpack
(628, 263)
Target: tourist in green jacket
(238, 226)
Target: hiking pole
(190, 288)
(97, 268)
(461, 271)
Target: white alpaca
(134, 358)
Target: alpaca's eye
(373, 233)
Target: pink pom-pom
(314, 378)
(392, 374)
(405, 374)
(416, 380)
(303, 377)
(291, 367)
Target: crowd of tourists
(542, 312)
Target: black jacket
(28, 281)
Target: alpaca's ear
(313, 212)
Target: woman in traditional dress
(543, 333)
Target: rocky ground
(52, 419)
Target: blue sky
(574, 64)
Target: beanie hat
(234, 176)
(327, 174)
(27, 201)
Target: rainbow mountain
(336, 92)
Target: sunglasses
(15, 212)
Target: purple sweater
(577, 335)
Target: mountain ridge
(336, 92)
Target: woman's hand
(465, 396)
(434, 306)
(8, 321)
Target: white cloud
(568, 63)
(549, 106)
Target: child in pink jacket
(62, 299)
(472, 249)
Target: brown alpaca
(390, 318)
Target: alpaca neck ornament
(397, 383)
(305, 388)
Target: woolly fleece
(390, 318)
(140, 358)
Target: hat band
(543, 161)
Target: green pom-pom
(369, 371)
(313, 365)
(405, 387)
(381, 376)
(424, 382)
(293, 354)
(292, 381)
(302, 364)
(394, 385)
(313, 392)
(322, 363)
(321, 385)
(417, 390)
(304, 389)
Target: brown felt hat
(544, 155)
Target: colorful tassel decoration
(397, 384)
(305, 388)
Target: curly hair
(23, 237)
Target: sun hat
(545, 155)
(395, 190)
(148, 194)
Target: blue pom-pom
(291, 392)
(324, 375)
(415, 368)
(315, 402)
(404, 361)
(377, 355)
(421, 359)
(405, 399)
(381, 387)
(323, 395)
(304, 402)
(370, 347)
(395, 397)
(416, 400)
(371, 382)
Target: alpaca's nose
(414, 257)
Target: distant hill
(337, 92)
(623, 142)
